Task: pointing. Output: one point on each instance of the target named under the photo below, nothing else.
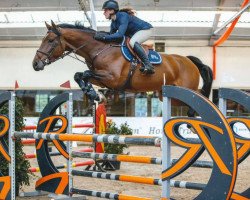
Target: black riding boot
(147, 67)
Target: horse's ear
(55, 28)
(53, 25)
(48, 26)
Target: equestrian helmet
(111, 4)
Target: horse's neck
(89, 45)
(93, 51)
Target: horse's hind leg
(82, 80)
(191, 112)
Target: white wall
(233, 66)
(16, 64)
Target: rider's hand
(99, 37)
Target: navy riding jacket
(126, 25)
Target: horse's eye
(50, 40)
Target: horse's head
(51, 49)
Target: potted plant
(113, 129)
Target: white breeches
(140, 37)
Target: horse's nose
(38, 65)
(35, 65)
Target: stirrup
(142, 69)
(147, 71)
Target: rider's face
(107, 13)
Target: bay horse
(108, 67)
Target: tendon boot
(91, 93)
(147, 67)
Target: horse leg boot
(91, 93)
(86, 86)
(147, 67)
(78, 78)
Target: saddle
(128, 53)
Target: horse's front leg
(78, 78)
(82, 80)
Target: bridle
(48, 60)
(57, 41)
(48, 54)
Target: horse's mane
(77, 25)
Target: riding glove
(100, 37)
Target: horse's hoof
(97, 98)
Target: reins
(73, 50)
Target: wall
(233, 64)
(16, 64)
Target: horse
(108, 67)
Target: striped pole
(83, 125)
(123, 178)
(33, 155)
(73, 126)
(112, 139)
(106, 195)
(138, 179)
(75, 164)
(198, 163)
(135, 159)
(118, 157)
(27, 128)
(187, 185)
(28, 141)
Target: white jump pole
(69, 143)
(165, 145)
(11, 105)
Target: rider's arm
(123, 25)
(113, 29)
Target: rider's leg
(135, 41)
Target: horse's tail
(206, 74)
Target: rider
(124, 23)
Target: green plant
(113, 129)
(22, 166)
